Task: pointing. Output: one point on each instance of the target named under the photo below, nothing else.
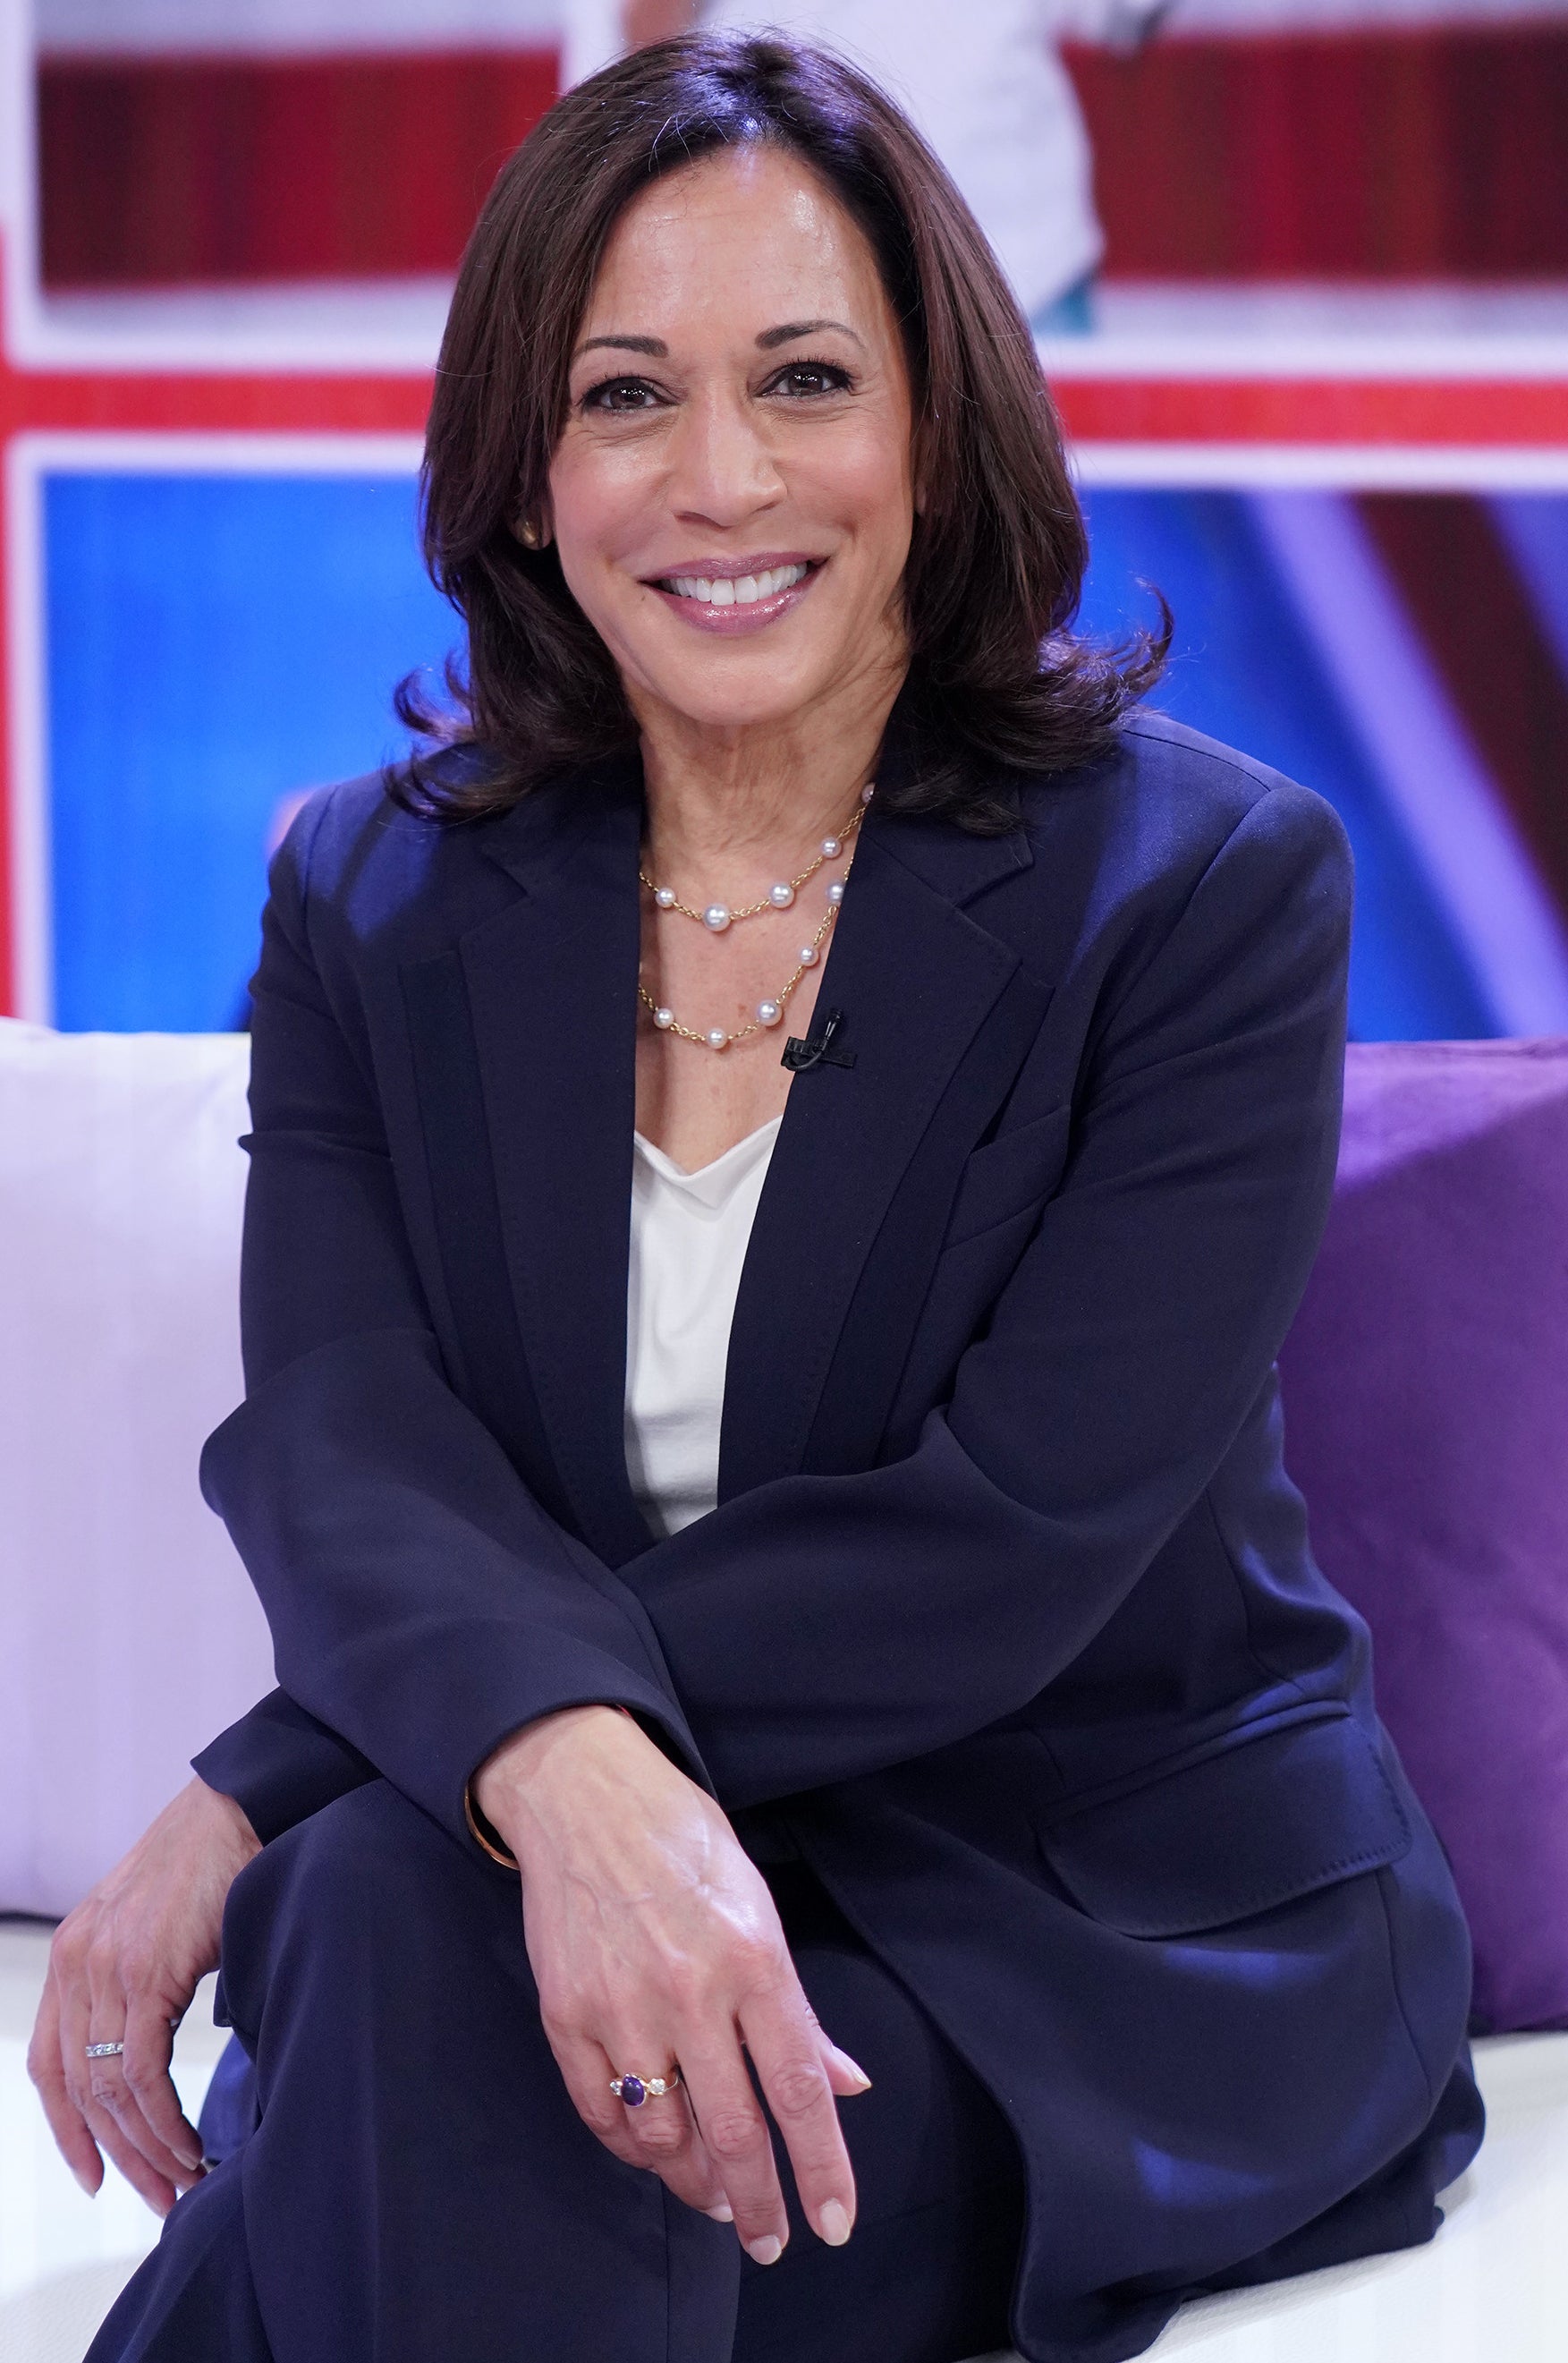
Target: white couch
(128, 1635)
(129, 1631)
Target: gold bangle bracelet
(483, 1832)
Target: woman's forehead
(743, 231)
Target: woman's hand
(654, 1940)
(123, 1969)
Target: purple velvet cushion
(1426, 1393)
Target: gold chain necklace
(717, 916)
(769, 1011)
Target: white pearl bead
(866, 794)
(662, 1017)
(830, 847)
(809, 955)
(781, 895)
(717, 916)
(768, 1013)
(836, 892)
(718, 1039)
(665, 897)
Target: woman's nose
(723, 468)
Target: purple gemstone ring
(634, 2090)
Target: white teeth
(728, 591)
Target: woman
(782, 1159)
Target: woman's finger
(663, 2132)
(587, 2078)
(142, 2032)
(734, 2133)
(158, 2189)
(660, 2136)
(786, 2051)
(47, 2068)
(845, 2076)
(586, 2070)
(163, 2132)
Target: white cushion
(130, 1631)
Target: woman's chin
(725, 697)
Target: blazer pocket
(1011, 1175)
(1269, 1819)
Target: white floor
(1493, 2288)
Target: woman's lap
(420, 2181)
(420, 2177)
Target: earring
(528, 534)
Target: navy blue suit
(1006, 1630)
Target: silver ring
(634, 2090)
(105, 2050)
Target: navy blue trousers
(419, 2187)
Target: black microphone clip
(817, 1049)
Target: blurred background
(1300, 269)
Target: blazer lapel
(939, 1017)
(552, 995)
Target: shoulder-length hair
(998, 557)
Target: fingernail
(721, 2213)
(856, 2069)
(832, 2223)
(766, 2251)
(83, 2182)
(189, 2158)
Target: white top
(690, 1233)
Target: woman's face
(732, 496)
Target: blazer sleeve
(422, 1605)
(818, 1627)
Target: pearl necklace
(717, 916)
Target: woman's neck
(750, 797)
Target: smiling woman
(820, 1518)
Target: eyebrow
(793, 329)
(657, 349)
(653, 346)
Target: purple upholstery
(1426, 1389)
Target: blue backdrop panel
(214, 643)
(1243, 670)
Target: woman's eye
(811, 377)
(620, 393)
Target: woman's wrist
(493, 1797)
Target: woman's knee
(370, 1880)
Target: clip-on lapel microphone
(817, 1049)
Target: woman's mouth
(726, 591)
(732, 604)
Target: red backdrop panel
(1409, 154)
(1436, 152)
(162, 169)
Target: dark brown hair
(997, 559)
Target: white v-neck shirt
(690, 1233)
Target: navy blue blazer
(1006, 1619)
